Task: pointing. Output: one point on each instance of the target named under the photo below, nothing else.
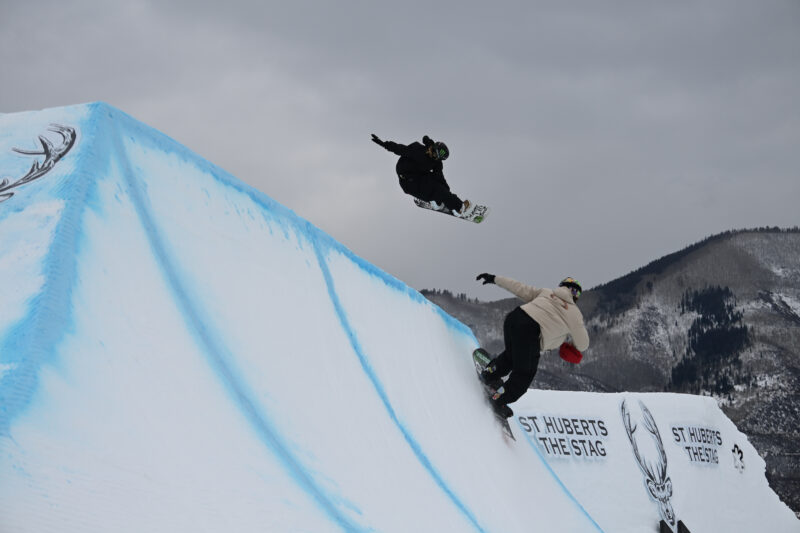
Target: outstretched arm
(520, 290)
(393, 147)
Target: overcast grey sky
(602, 135)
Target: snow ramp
(178, 352)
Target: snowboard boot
(465, 205)
(499, 407)
(490, 378)
(492, 383)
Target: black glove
(427, 141)
(487, 278)
(378, 141)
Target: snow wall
(178, 352)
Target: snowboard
(475, 213)
(481, 359)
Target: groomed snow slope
(180, 353)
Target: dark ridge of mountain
(618, 293)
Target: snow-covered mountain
(720, 318)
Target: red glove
(569, 353)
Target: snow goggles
(439, 151)
(573, 285)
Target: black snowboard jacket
(414, 162)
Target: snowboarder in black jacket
(420, 171)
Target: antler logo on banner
(52, 154)
(651, 457)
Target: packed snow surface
(178, 352)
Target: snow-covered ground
(180, 353)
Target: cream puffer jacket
(553, 309)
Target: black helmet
(440, 151)
(574, 287)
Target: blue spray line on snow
(558, 479)
(284, 216)
(35, 338)
(415, 446)
(218, 354)
(215, 350)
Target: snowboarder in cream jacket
(543, 322)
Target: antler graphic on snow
(52, 155)
(655, 471)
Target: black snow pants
(520, 358)
(430, 190)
